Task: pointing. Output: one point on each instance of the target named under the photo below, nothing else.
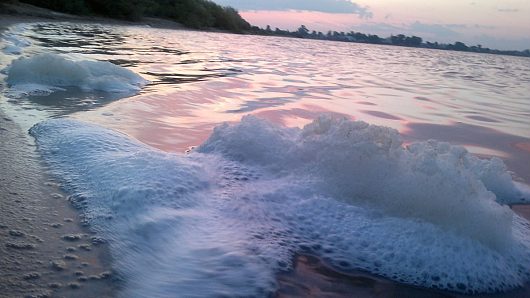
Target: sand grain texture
(34, 218)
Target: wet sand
(44, 249)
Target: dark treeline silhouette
(397, 40)
(200, 14)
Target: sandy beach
(45, 250)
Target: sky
(496, 24)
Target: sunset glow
(496, 24)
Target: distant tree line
(397, 40)
(200, 14)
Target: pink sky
(496, 24)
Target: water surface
(202, 79)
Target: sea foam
(45, 73)
(225, 218)
(12, 40)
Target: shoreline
(45, 250)
(308, 271)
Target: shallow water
(199, 80)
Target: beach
(48, 251)
(45, 249)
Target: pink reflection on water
(200, 81)
(298, 117)
(381, 115)
(524, 146)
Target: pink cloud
(319, 21)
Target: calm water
(199, 80)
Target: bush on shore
(200, 14)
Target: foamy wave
(368, 165)
(51, 72)
(223, 220)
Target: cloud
(431, 32)
(486, 27)
(328, 6)
(383, 29)
(507, 10)
(470, 26)
(457, 26)
(438, 30)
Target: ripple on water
(380, 114)
(525, 146)
(482, 118)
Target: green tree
(302, 31)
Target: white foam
(368, 165)
(13, 41)
(225, 219)
(12, 49)
(55, 71)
